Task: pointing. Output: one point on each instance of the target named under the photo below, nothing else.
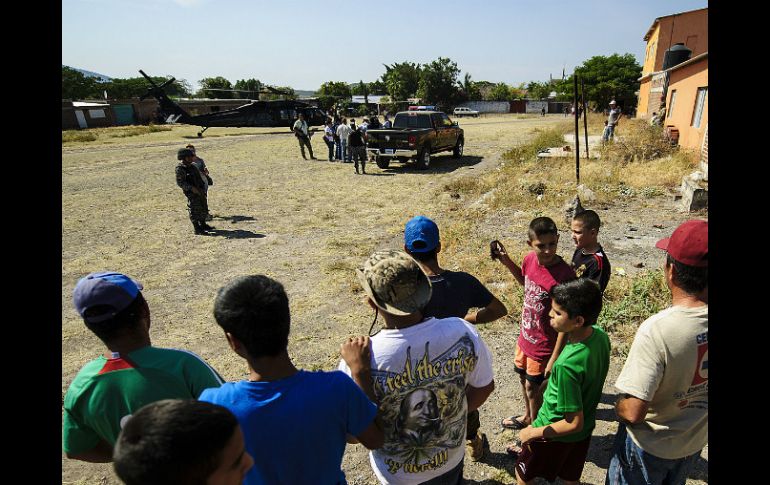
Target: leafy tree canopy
(401, 80)
(75, 85)
(438, 83)
(606, 78)
(248, 88)
(211, 87)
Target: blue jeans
(344, 155)
(609, 133)
(631, 465)
(337, 150)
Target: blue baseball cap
(104, 288)
(421, 235)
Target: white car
(465, 112)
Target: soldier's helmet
(184, 152)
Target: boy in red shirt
(538, 345)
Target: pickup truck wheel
(382, 162)
(423, 158)
(458, 150)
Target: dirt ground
(307, 224)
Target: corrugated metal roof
(85, 104)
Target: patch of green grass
(629, 301)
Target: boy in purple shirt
(538, 345)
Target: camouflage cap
(184, 152)
(395, 282)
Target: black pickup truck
(415, 134)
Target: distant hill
(101, 77)
(302, 93)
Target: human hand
(497, 251)
(356, 353)
(527, 434)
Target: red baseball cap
(689, 243)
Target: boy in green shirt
(556, 444)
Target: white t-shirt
(343, 131)
(420, 373)
(668, 367)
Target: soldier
(300, 129)
(188, 178)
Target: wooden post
(585, 114)
(577, 131)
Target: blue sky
(305, 43)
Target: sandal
(514, 423)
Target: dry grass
(94, 134)
(307, 224)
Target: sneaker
(475, 447)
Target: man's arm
(357, 355)
(630, 409)
(101, 453)
(494, 310)
(477, 395)
(572, 423)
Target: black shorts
(550, 459)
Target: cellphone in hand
(494, 249)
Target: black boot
(198, 228)
(206, 226)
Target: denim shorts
(631, 465)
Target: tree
(250, 88)
(331, 93)
(537, 90)
(402, 80)
(614, 77)
(606, 78)
(75, 85)
(377, 87)
(135, 87)
(470, 89)
(500, 92)
(438, 82)
(213, 87)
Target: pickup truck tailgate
(393, 139)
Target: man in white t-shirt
(343, 132)
(425, 374)
(663, 403)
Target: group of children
(445, 372)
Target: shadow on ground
(220, 135)
(438, 164)
(234, 219)
(236, 234)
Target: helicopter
(277, 113)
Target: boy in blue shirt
(295, 422)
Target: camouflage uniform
(187, 177)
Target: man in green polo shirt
(130, 374)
